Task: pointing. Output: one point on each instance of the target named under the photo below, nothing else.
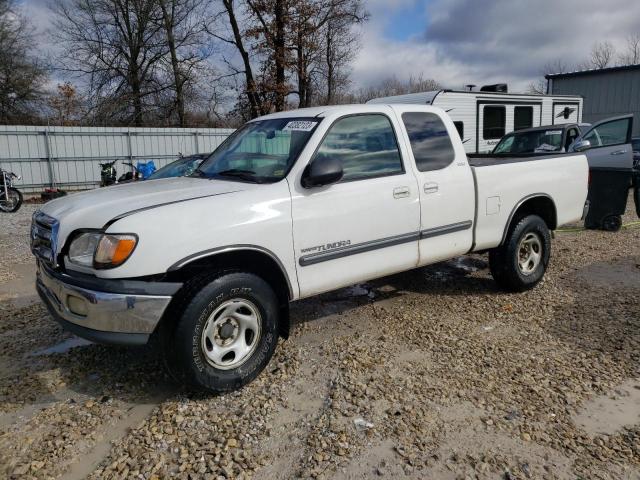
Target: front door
(610, 143)
(447, 191)
(366, 225)
(610, 170)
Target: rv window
(430, 142)
(460, 128)
(493, 122)
(522, 117)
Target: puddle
(455, 267)
(355, 291)
(62, 347)
(606, 414)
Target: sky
(459, 42)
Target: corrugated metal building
(607, 92)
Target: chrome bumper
(104, 317)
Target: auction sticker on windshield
(300, 125)
(553, 132)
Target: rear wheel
(13, 202)
(612, 223)
(226, 333)
(520, 263)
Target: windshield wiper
(198, 173)
(248, 175)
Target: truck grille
(44, 236)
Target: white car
(293, 204)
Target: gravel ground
(433, 373)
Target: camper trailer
(482, 117)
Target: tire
(16, 202)
(612, 223)
(230, 312)
(521, 261)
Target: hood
(95, 208)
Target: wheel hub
(231, 334)
(529, 253)
(227, 330)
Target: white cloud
(471, 41)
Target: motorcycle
(10, 197)
(107, 173)
(141, 171)
(131, 176)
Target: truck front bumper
(121, 312)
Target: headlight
(101, 250)
(83, 247)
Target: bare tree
(241, 41)
(325, 44)
(389, 87)
(539, 87)
(118, 46)
(184, 30)
(632, 54)
(602, 55)
(22, 76)
(67, 104)
(272, 18)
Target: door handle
(401, 192)
(430, 187)
(619, 152)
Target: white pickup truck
(291, 205)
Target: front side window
(522, 117)
(365, 144)
(493, 122)
(609, 134)
(260, 152)
(430, 142)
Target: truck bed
(504, 182)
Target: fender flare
(519, 204)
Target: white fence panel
(70, 157)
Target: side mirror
(581, 146)
(322, 171)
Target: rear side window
(429, 139)
(522, 117)
(493, 122)
(365, 144)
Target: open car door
(610, 160)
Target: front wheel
(520, 263)
(12, 201)
(226, 333)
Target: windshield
(179, 168)
(536, 141)
(262, 152)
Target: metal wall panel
(69, 157)
(606, 94)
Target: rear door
(445, 181)
(610, 144)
